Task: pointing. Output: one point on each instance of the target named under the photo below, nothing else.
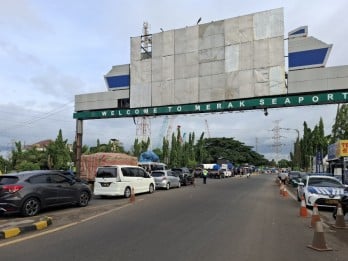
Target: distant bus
(151, 166)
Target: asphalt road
(230, 219)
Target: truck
(90, 163)
(225, 170)
(218, 171)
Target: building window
(123, 103)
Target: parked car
(294, 177)
(198, 172)
(119, 180)
(225, 173)
(72, 175)
(166, 179)
(322, 190)
(184, 174)
(28, 192)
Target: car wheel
(31, 207)
(127, 192)
(168, 186)
(151, 188)
(84, 199)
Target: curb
(15, 231)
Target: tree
(58, 153)
(340, 127)
(200, 151)
(306, 147)
(232, 150)
(283, 163)
(165, 151)
(5, 165)
(136, 148)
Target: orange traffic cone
(285, 192)
(340, 222)
(132, 197)
(303, 209)
(318, 242)
(315, 216)
(281, 189)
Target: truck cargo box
(90, 163)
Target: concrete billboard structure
(227, 65)
(229, 59)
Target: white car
(122, 180)
(321, 190)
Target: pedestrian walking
(205, 174)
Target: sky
(51, 51)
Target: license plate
(105, 184)
(331, 201)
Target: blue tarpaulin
(148, 156)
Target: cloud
(51, 51)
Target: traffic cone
(303, 209)
(315, 215)
(281, 189)
(132, 197)
(285, 192)
(318, 242)
(340, 222)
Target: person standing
(205, 174)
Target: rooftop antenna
(146, 41)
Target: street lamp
(297, 152)
(298, 132)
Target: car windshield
(157, 174)
(294, 174)
(322, 182)
(5, 180)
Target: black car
(28, 192)
(186, 177)
(294, 177)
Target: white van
(118, 180)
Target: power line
(38, 118)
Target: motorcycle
(344, 204)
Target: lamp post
(297, 150)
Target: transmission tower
(207, 127)
(277, 145)
(143, 128)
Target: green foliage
(58, 153)
(165, 151)
(27, 165)
(5, 165)
(232, 150)
(190, 154)
(284, 163)
(113, 145)
(313, 141)
(340, 127)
